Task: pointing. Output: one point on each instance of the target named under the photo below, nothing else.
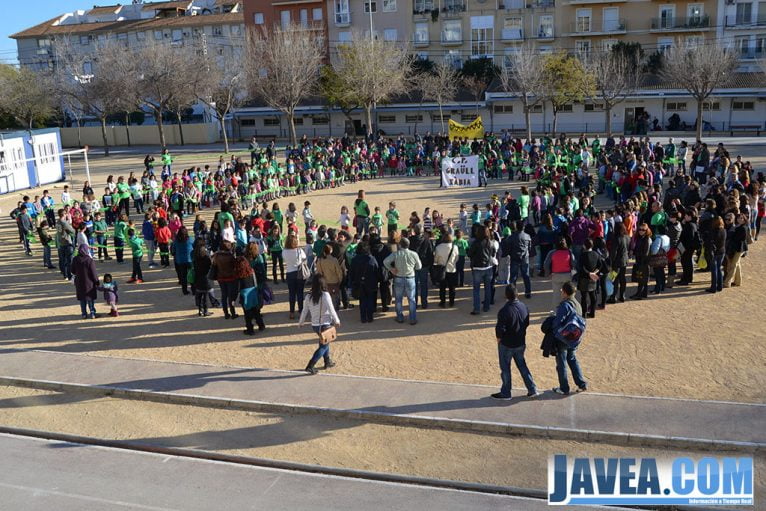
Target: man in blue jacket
(565, 351)
(511, 333)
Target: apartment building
(215, 24)
(267, 13)
(743, 25)
(389, 20)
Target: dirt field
(684, 343)
(317, 440)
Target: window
(421, 33)
(271, 121)
(546, 27)
(760, 44)
(386, 119)
(675, 107)
(158, 35)
(218, 31)
(413, 118)
(344, 37)
(122, 39)
(304, 13)
(258, 18)
(566, 108)
(87, 68)
(667, 16)
(694, 13)
(247, 122)
(389, 5)
(370, 6)
(513, 28)
(235, 30)
(509, 59)
(389, 34)
(610, 20)
(177, 36)
(711, 106)
(582, 23)
(693, 41)
(424, 5)
(452, 31)
(482, 36)
(284, 18)
(607, 44)
(742, 44)
(467, 117)
(342, 12)
(503, 109)
(742, 105)
(664, 43)
(299, 121)
(744, 13)
(316, 14)
(85, 39)
(43, 43)
(437, 118)
(141, 36)
(320, 119)
(593, 107)
(453, 59)
(536, 109)
(582, 48)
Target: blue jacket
(147, 230)
(512, 323)
(182, 251)
(563, 310)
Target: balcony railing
(513, 34)
(449, 39)
(511, 4)
(453, 8)
(746, 21)
(541, 4)
(751, 54)
(342, 18)
(544, 33)
(681, 23)
(423, 8)
(581, 27)
(421, 40)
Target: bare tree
(284, 66)
(222, 88)
(699, 69)
(566, 81)
(524, 75)
(439, 85)
(372, 71)
(614, 75)
(26, 95)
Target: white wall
(13, 170)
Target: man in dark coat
(85, 281)
(363, 274)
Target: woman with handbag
(249, 297)
(328, 267)
(445, 257)
(324, 321)
(641, 266)
(297, 272)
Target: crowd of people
(664, 206)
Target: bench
(745, 127)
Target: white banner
(460, 171)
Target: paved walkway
(625, 420)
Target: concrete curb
(422, 421)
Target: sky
(28, 13)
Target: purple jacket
(579, 229)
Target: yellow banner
(470, 131)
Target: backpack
(572, 328)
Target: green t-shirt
(136, 246)
(123, 191)
(223, 216)
(120, 228)
(393, 217)
(362, 209)
(99, 226)
(377, 220)
(659, 218)
(524, 206)
(462, 246)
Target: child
(109, 288)
(82, 237)
(45, 239)
(462, 250)
(393, 218)
(427, 220)
(147, 231)
(162, 236)
(307, 216)
(228, 232)
(137, 251)
(344, 219)
(377, 220)
(119, 236)
(65, 197)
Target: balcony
(511, 4)
(544, 33)
(619, 26)
(420, 40)
(513, 34)
(746, 21)
(453, 9)
(751, 54)
(342, 19)
(451, 39)
(680, 24)
(541, 4)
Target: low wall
(202, 133)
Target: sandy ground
(310, 439)
(685, 343)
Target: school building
(29, 159)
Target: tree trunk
(161, 128)
(528, 121)
(368, 114)
(555, 121)
(180, 128)
(608, 119)
(441, 117)
(225, 137)
(293, 134)
(79, 134)
(103, 135)
(127, 127)
(699, 119)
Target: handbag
(636, 274)
(439, 271)
(329, 335)
(191, 275)
(658, 260)
(304, 272)
(267, 295)
(213, 273)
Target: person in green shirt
(123, 196)
(224, 215)
(377, 220)
(99, 229)
(392, 215)
(137, 250)
(462, 250)
(362, 211)
(120, 227)
(524, 203)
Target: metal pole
(87, 166)
(374, 120)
